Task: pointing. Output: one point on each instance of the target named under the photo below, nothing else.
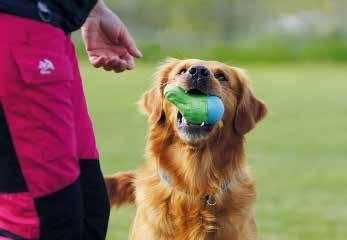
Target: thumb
(129, 43)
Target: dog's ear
(152, 104)
(152, 101)
(250, 110)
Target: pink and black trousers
(51, 184)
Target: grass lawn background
(298, 154)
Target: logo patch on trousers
(46, 66)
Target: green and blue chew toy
(196, 109)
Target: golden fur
(197, 168)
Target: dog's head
(242, 109)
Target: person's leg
(40, 194)
(95, 199)
(96, 204)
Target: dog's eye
(182, 71)
(221, 77)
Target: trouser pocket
(38, 100)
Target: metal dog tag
(211, 200)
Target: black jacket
(66, 14)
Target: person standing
(51, 184)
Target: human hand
(108, 41)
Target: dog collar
(209, 199)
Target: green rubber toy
(196, 109)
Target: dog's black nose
(199, 73)
(199, 77)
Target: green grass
(298, 155)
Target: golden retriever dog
(195, 184)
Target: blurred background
(242, 30)
(296, 55)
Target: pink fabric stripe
(18, 215)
